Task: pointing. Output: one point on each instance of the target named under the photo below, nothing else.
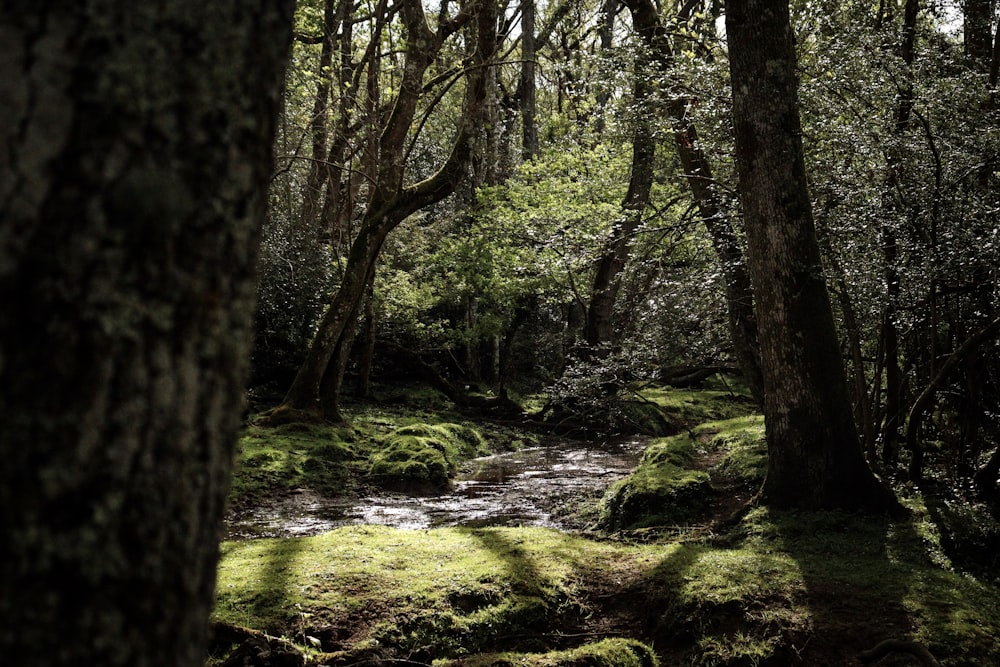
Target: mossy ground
(682, 477)
(773, 588)
(688, 408)
(778, 588)
(410, 444)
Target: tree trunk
(852, 330)
(994, 68)
(698, 174)
(598, 330)
(136, 157)
(606, 32)
(368, 349)
(529, 141)
(739, 290)
(392, 202)
(814, 455)
(977, 31)
(894, 378)
(319, 127)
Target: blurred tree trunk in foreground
(136, 157)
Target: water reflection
(531, 487)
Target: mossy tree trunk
(136, 154)
(814, 454)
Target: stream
(538, 486)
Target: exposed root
(884, 648)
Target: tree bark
(606, 32)
(814, 455)
(977, 31)
(994, 68)
(136, 154)
(529, 132)
(739, 290)
(319, 126)
(894, 379)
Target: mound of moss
(294, 455)
(662, 490)
(424, 456)
(744, 450)
(670, 487)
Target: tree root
(884, 648)
(245, 647)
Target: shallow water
(540, 486)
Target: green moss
(667, 487)
(400, 448)
(780, 587)
(457, 590)
(777, 588)
(687, 408)
(424, 456)
(273, 460)
(662, 489)
(742, 441)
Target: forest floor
(719, 584)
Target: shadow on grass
(268, 605)
(276, 579)
(810, 589)
(526, 625)
(856, 573)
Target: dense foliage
(494, 285)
